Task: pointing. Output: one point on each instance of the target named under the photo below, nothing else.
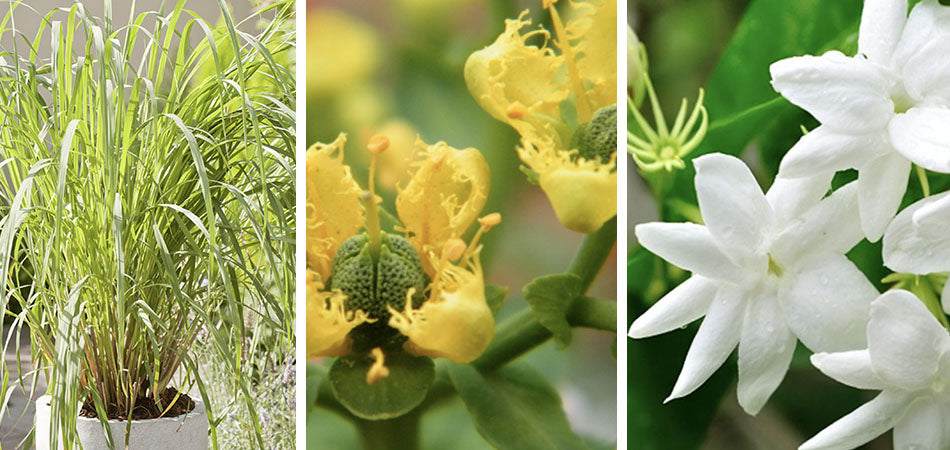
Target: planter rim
(199, 410)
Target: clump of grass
(148, 201)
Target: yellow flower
(342, 51)
(563, 104)
(444, 316)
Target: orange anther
(490, 220)
(516, 111)
(378, 143)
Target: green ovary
(597, 139)
(372, 286)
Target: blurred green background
(395, 67)
(727, 47)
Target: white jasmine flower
(917, 241)
(766, 269)
(880, 110)
(908, 359)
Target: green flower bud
(598, 138)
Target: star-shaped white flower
(918, 240)
(880, 110)
(908, 359)
(766, 269)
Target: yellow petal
(444, 196)
(334, 210)
(509, 74)
(455, 324)
(327, 322)
(583, 199)
(342, 51)
(596, 33)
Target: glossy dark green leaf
(641, 266)
(550, 298)
(404, 389)
(515, 408)
(739, 97)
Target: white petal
(825, 150)
(851, 368)
(826, 302)
(927, 73)
(922, 136)
(821, 228)
(714, 341)
(733, 206)
(905, 341)
(765, 351)
(921, 428)
(689, 246)
(791, 197)
(933, 219)
(926, 22)
(881, 187)
(882, 22)
(869, 421)
(847, 94)
(688, 302)
(907, 249)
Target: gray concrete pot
(185, 432)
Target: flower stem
(400, 433)
(592, 255)
(521, 333)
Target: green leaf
(404, 389)
(550, 298)
(640, 268)
(315, 375)
(654, 366)
(495, 296)
(515, 408)
(740, 99)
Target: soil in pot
(145, 407)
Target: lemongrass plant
(147, 200)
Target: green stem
(593, 313)
(593, 253)
(400, 433)
(521, 333)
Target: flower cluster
(563, 104)
(770, 268)
(375, 291)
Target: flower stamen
(376, 145)
(378, 370)
(486, 223)
(584, 112)
(665, 148)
